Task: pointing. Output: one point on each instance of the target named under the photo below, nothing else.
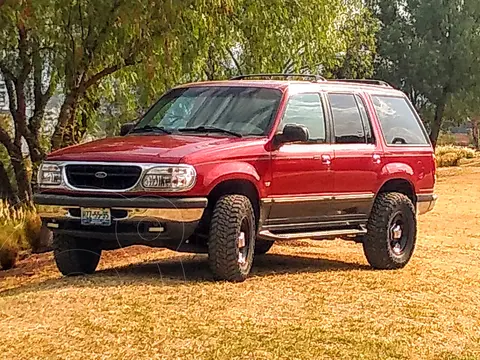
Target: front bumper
(426, 203)
(140, 220)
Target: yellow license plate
(96, 216)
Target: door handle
(377, 159)
(326, 159)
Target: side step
(268, 235)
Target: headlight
(49, 175)
(170, 178)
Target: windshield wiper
(149, 128)
(211, 129)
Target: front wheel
(76, 256)
(231, 240)
(391, 232)
(263, 246)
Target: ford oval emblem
(101, 175)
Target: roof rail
(314, 77)
(365, 81)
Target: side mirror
(126, 128)
(292, 133)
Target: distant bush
(452, 155)
(20, 229)
(446, 138)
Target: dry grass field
(308, 300)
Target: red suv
(229, 167)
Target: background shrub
(452, 155)
(20, 230)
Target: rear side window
(347, 121)
(307, 110)
(399, 123)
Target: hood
(142, 148)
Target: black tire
(232, 216)
(391, 232)
(76, 256)
(263, 246)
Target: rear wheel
(392, 232)
(76, 256)
(231, 239)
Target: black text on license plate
(96, 216)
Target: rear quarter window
(400, 125)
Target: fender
(233, 171)
(397, 170)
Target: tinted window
(246, 110)
(307, 110)
(398, 121)
(347, 121)
(367, 125)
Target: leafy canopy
(429, 49)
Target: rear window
(399, 123)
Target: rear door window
(399, 123)
(347, 121)
(367, 125)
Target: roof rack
(365, 81)
(314, 77)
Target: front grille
(93, 177)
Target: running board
(268, 235)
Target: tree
(70, 46)
(96, 51)
(7, 192)
(464, 107)
(429, 50)
(22, 68)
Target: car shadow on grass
(187, 269)
(195, 267)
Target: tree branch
(288, 66)
(90, 50)
(5, 140)
(94, 79)
(235, 61)
(37, 77)
(23, 54)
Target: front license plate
(95, 216)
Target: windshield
(245, 111)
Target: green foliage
(111, 59)
(429, 49)
(216, 40)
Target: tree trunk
(475, 132)
(63, 135)
(21, 175)
(6, 189)
(437, 121)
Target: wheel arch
(400, 185)
(240, 186)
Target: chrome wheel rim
(243, 244)
(398, 234)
